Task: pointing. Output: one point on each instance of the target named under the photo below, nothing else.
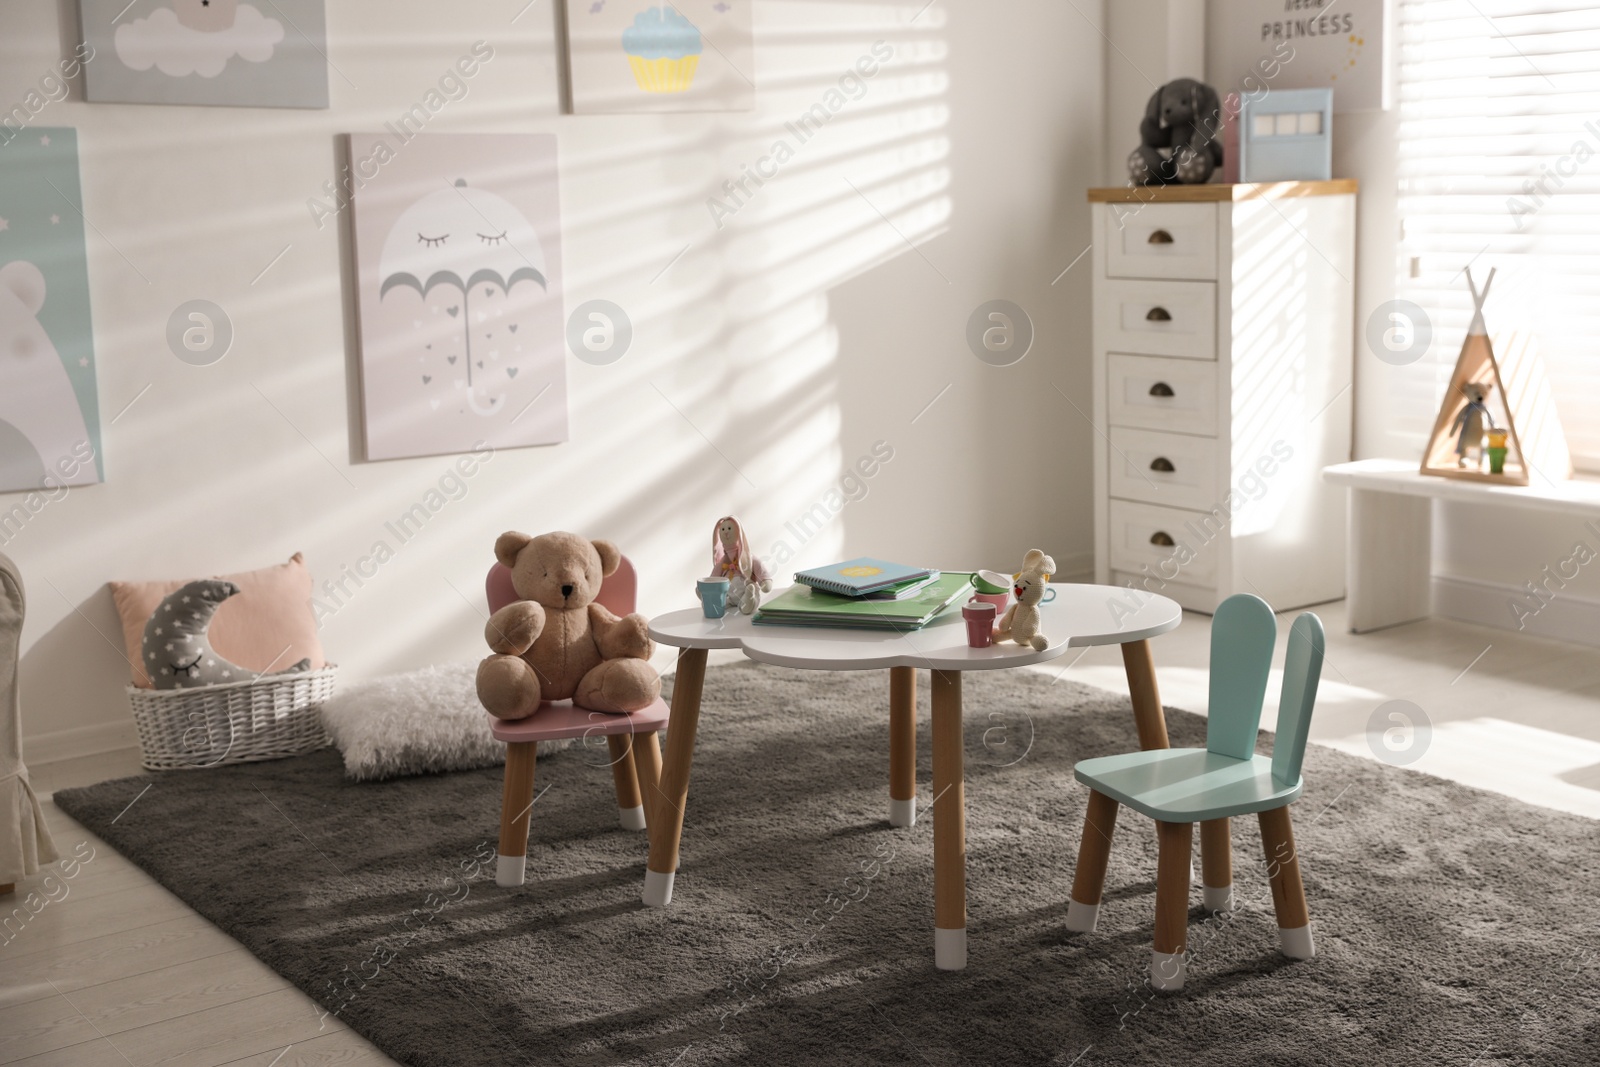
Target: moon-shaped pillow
(177, 651)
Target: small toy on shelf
(732, 559)
(1030, 586)
(1180, 136)
(1497, 451)
(1470, 419)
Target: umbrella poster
(269, 53)
(49, 409)
(458, 253)
(639, 55)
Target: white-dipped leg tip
(1167, 970)
(1082, 918)
(657, 888)
(1297, 943)
(510, 870)
(950, 949)
(903, 812)
(632, 818)
(1218, 898)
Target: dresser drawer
(1162, 241)
(1162, 394)
(1158, 318)
(1140, 536)
(1164, 468)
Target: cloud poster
(270, 53)
(458, 253)
(49, 410)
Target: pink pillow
(268, 624)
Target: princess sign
(1343, 45)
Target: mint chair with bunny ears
(24, 840)
(1178, 787)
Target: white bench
(1389, 567)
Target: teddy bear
(731, 558)
(1021, 620)
(556, 643)
(1180, 137)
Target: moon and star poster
(458, 252)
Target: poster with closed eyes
(458, 261)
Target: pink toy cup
(1001, 601)
(979, 615)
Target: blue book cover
(855, 577)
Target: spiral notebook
(855, 577)
(801, 605)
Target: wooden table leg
(902, 746)
(1148, 717)
(1216, 865)
(672, 791)
(630, 805)
(1288, 891)
(1172, 904)
(949, 826)
(516, 810)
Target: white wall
(793, 339)
(1483, 557)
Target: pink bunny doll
(732, 559)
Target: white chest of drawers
(1223, 353)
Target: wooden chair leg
(9, 887)
(1216, 865)
(516, 811)
(902, 746)
(672, 790)
(1288, 891)
(1094, 852)
(1172, 904)
(630, 805)
(647, 768)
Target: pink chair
(631, 739)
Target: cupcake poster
(458, 253)
(635, 55)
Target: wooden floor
(120, 972)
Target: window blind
(1499, 163)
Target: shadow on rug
(1452, 925)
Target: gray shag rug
(1453, 926)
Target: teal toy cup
(713, 594)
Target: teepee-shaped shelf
(1518, 400)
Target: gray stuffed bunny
(1180, 139)
(178, 653)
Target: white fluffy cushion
(423, 722)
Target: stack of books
(865, 593)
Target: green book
(804, 606)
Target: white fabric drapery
(25, 842)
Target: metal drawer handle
(1161, 237)
(1161, 389)
(1163, 464)
(1157, 314)
(1162, 538)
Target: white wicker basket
(242, 722)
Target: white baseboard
(1571, 618)
(1077, 567)
(79, 741)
